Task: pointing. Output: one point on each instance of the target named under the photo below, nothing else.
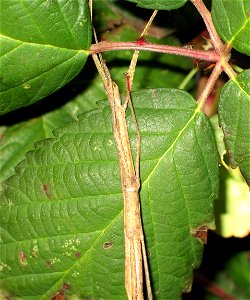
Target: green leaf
(43, 46)
(232, 21)
(219, 136)
(18, 139)
(234, 107)
(160, 4)
(232, 209)
(62, 216)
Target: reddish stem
(210, 84)
(206, 16)
(146, 46)
(213, 288)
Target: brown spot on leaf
(47, 191)
(22, 258)
(49, 264)
(78, 254)
(231, 159)
(107, 245)
(227, 133)
(201, 233)
(59, 296)
(66, 286)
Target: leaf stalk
(143, 45)
(209, 86)
(206, 16)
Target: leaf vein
(45, 45)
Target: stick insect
(136, 265)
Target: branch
(209, 86)
(206, 16)
(135, 251)
(146, 46)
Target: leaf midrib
(76, 262)
(45, 45)
(113, 220)
(238, 83)
(171, 146)
(242, 27)
(146, 181)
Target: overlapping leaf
(61, 216)
(43, 46)
(18, 139)
(232, 209)
(160, 4)
(234, 108)
(232, 21)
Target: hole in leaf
(66, 286)
(107, 245)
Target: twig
(206, 15)
(135, 250)
(133, 234)
(134, 59)
(143, 45)
(229, 70)
(209, 86)
(129, 82)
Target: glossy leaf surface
(18, 139)
(232, 21)
(43, 46)
(234, 108)
(160, 4)
(61, 216)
